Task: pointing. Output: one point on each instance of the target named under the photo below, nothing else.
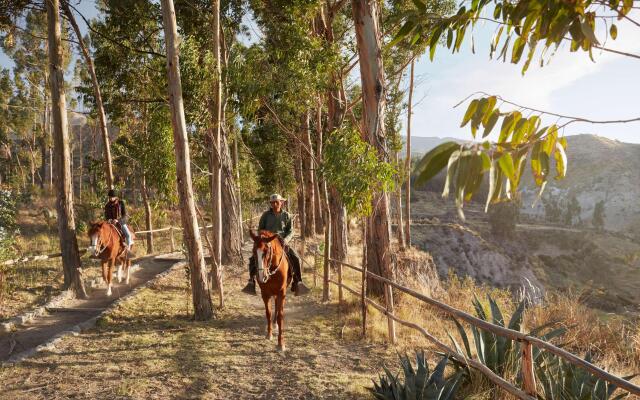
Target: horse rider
(116, 213)
(278, 221)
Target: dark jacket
(116, 210)
(277, 223)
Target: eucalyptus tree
(206, 65)
(145, 145)
(26, 45)
(66, 219)
(102, 118)
(199, 285)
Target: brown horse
(273, 274)
(108, 245)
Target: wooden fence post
(364, 279)
(388, 300)
(528, 372)
(173, 242)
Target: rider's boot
(130, 253)
(251, 287)
(301, 289)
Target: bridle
(268, 271)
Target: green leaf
(506, 165)
(452, 169)
(493, 180)
(434, 161)
(587, 30)
(449, 37)
(420, 5)
(508, 124)
(491, 122)
(561, 160)
(470, 112)
(402, 33)
(518, 48)
(613, 31)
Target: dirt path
(148, 348)
(42, 328)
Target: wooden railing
(171, 229)
(529, 390)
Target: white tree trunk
(64, 183)
(366, 17)
(199, 286)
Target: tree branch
(571, 119)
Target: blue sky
(571, 85)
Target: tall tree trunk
(232, 212)
(318, 195)
(399, 221)
(81, 162)
(147, 213)
(366, 17)
(335, 112)
(102, 118)
(215, 165)
(407, 165)
(301, 211)
(199, 286)
(231, 216)
(309, 185)
(236, 168)
(66, 222)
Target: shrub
(561, 380)
(499, 354)
(419, 383)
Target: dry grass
(149, 348)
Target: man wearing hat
(278, 221)
(115, 211)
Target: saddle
(118, 226)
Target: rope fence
(529, 390)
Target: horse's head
(264, 248)
(95, 231)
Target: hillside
(599, 267)
(599, 169)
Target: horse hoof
(282, 348)
(109, 292)
(269, 336)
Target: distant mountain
(421, 145)
(597, 169)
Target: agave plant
(499, 354)
(562, 380)
(419, 383)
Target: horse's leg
(267, 309)
(110, 276)
(120, 262)
(127, 269)
(104, 271)
(280, 310)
